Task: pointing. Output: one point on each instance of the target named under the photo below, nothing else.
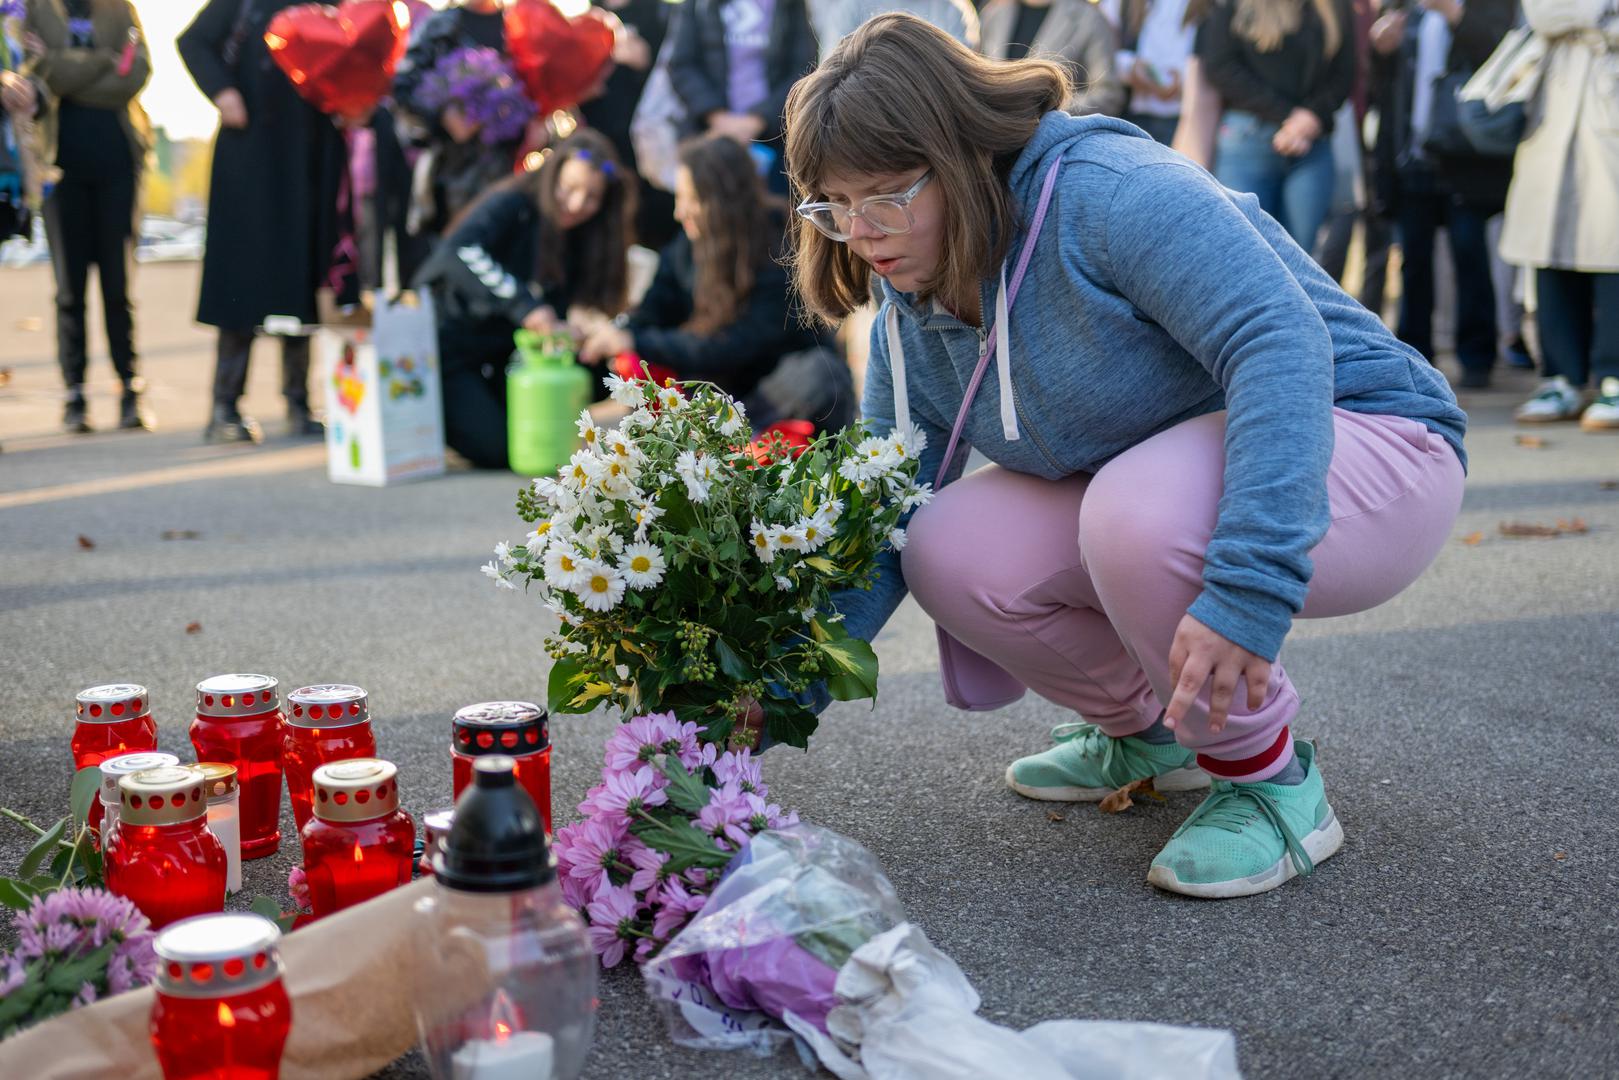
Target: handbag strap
(998, 328)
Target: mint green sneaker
(1249, 838)
(1087, 765)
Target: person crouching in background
(720, 308)
(521, 256)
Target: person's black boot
(131, 415)
(303, 424)
(74, 420)
(230, 426)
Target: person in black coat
(1424, 187)
(272, 206)
(720, 308)
(732, 66)
(520, 256)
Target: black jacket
(482, 274)
(735, 357)
(1297, 74)
(698, 65)
(272, 202)
(1480, 182)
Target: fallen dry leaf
(1559, 855)
(5, 376)
(1473, 539)
(1535, 530)
(1052, 815)
(1530, 442)
(1120, 800)
(85, 543)
(194, 628)
(1608, 485)
(181, 534)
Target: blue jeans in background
(1294, 191)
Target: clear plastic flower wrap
(790, 911)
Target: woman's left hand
(606, 343)
(1199, 654)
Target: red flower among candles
(359, 844)
(165, 859)
(113, 719)
(323, 724)
(239, 723)
(220, 1011)
(518, 729)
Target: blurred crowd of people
(1341, 116)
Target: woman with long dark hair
(520, 256)
(720, 308)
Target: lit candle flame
(503, 1031)
(226, 1017)
(359, 854)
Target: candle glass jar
(165, 860)
(225, 816)
(114, 769)
(435, 827)
(508, 978)
(239, 723)
(111, 720)
(220, 1011)
(516, 729)
(323, 724)
(359, 844)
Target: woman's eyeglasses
(889, 214)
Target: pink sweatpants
(1088, 625)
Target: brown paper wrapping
(352, 977)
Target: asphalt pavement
(1466, 732)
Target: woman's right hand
(17, 94)
(1387, 32)
(542, 320)
(232, 109)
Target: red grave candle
(111, 720)
(239, 723)
(518, 729)
(165, 860)
(220, 1011)
(323, 724)
(359, 844)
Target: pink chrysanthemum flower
(649, 868)
(640, 740)
(726, 815)
(596, 851)
(628, 793)
(613, 923)
(741, 768)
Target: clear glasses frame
(888, 214)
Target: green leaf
(568, 677)
(20, 1006)
(731, 661)
(86, 785)
(16, 894)
(67, 978)
(42, 848)
(44, 883)
(855, 669)
(685, 791)
(790, 723)
(685, 844)
(263, 905)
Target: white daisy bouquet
(692, 572)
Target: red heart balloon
(340, 59)
(560, 60)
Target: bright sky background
(171, 98)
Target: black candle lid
(497, 842)
(513, 728)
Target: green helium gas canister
(545, 392)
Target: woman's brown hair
(590, 261)
(896, 95)
(737, 231)
(1265, 23)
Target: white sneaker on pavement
(1554, 400)
(1603, 413)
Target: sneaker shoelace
(1234, 807)
(1122, 761)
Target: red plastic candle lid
(216, 956)
(238, 695)
(514, 728)
(328, 705)
(112, 703)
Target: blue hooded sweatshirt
(1155, 295)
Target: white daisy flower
(670, 399)
(503, 552)
(641, 565)
(639, 420)
(697, 471)
(629, 392)
(807, 613)
(615, 481)
(733, 419)
(538, 537)
(495, 572)
(764, 544)
(620, 446)
(600, 586)
(784, 583)
(589, 433)
(787, 538)
(920, 495)
(910, 443)
(897, 539)
(853, 469)
(829, 511)
(582, 470)
(563, 566)
(815, 530)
